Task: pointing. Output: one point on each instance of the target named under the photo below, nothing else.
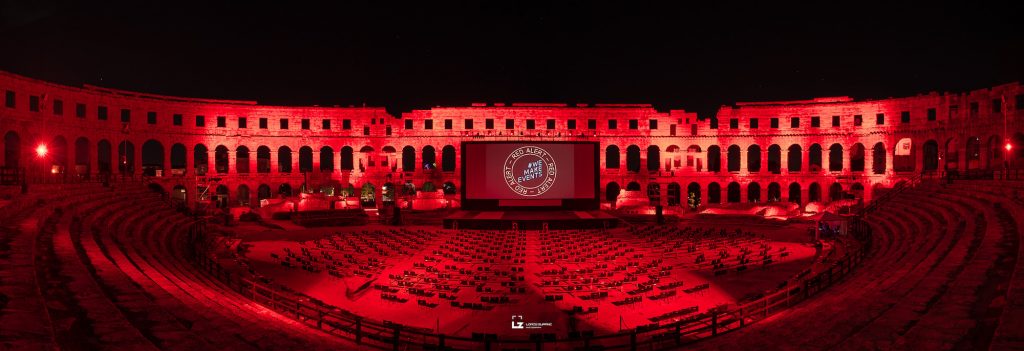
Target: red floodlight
(41, 150)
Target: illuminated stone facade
(800, 151)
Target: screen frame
(587, 204)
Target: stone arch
(326, 159)
(179, 157)
(714, 193)
(775, 159)
(814, 158)
(200, 159)
(633, 158)
(633, 186)
(794, 158)
(104, 158)
(794, 193)
(152, 157)
(448, 158)
(674, 192)
(611, 157)
(753, 158)
(611, 191)
(814, 192)
(733, 158)
(930, 149)
(429, 158)
(733, 190)
(284, 159)
(653, 158)
(242, 160)
(408, 159)
(126, 157)
(305, 159)
(82, 153)
(878, 158)
(347, 158)
(835, 192)
(857, 157)
(263, 159)
(835, 158)
(220, 159)
(714, 158)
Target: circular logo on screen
(530, 171)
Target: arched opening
(449, 188)
(931, 155)
(326, 159)
(82, 152)
(179, 194)
(408, 159)
(243, 195)
(242, 160)
(733, 190)
(733, 158)
(714, 193)
(973, 152)
(611, 191)
(284, 190)
(814, 192)
(633, 186)
(835, 158)
(754, 158)
(794, 193)
(654, 193)
(693, 159)
(714, 158)
(58, 155)
(104, 162)
(673, 159)
(263, 192)
(633, 158)
(429, 158)
(263, 159)
(774, 192)
(794, 158)
(903, 156)
(611, 157)
(448, 158)
(995, 153)
(388, 153)
(152, 157)
(653, 158)
(223, 198)
(674, 191)
(305, 159)
(754, 192)
(856, 158)
(775, 159)
(220, 159)
(12, 150)
(179, 159)
(387, 193)
(814, 158)
(952, 155)
(835, 192)
(347, 158)
(126, 157)
(693, 196)
(284, 159)
(878, 159)
(200, 159)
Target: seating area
(104, 268)
(107, 268)
(945, 256)
(647, 274)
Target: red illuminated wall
(968, 131)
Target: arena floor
(668, 266)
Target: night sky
(416, 56)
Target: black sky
(406, 56)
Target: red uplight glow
(1009, 146)
(41, 150)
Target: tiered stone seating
(935, 281)
(107, 274)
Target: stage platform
(532, 220)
